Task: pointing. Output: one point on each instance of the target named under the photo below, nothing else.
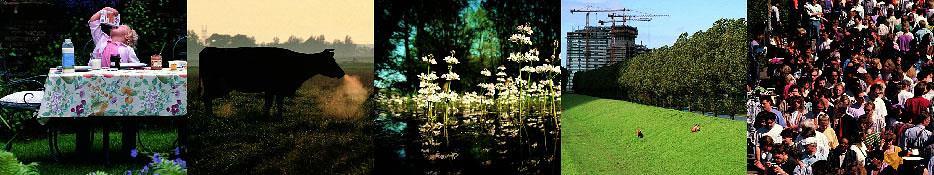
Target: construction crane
(625, 18)
(589, 10)
(602, 22)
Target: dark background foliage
(476, 30)
(33, 31)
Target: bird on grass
(639, 133)
(696, 128)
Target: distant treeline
(704, 72)
(344, 48)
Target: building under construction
(597, 46)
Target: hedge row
(702, 72)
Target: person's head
(862, 126)
(788, 136)
(789, 79)
(834, 74)
(765, 119)
(821, 104)
(921, 89)
(869, 108)
(807, 130)
(131, 37)
(821, 82)
(124, 34)
(902, 83)
(823, 121)
(766, 103)
(876, 91)
(815, 73)
(766, 143)
(810, 145)
(798, 102)
(923, 119)
(860, 96)
(888, 138)
(794, 91)
(838, 88)
(842, 102)
(780, 154)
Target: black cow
(276, 72)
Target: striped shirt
(915, 137)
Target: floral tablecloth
(115, 93)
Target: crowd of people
(842, 87)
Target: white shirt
(774, 132)
(903, 96)
(823, 145)
(813, 10)
(860, 152)
(878, 115)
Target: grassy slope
(599, 138)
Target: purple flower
(78, 109)
(178, 151)
(181, 163)
(134, 153)
(155, 158)
(145, 169)
(128, 172)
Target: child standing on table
(118, 42)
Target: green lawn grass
(599, 137)
(37, 150)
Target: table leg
(52, 145)
(182, 133)
(130, 131)
(83, 138)
(105, 137)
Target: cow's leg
(267, 104)
(279, 100)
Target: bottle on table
(68, 56)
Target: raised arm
(94, 24)
(97, 15)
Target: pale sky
(271, 18)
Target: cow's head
(330, 67)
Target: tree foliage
(704, 71)
(475, 29)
